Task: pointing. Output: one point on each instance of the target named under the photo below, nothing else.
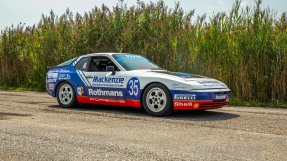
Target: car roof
(96, 54)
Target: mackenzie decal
(108, 81)
(98, 79)
(99, 92)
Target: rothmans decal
(100, 92)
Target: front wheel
(66, 96)
(157, 100)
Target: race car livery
(131, 80)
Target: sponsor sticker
(184, 96)
(84, 66)
(107, 100)
(52, 75)
(210, 83)
(176, 86)
(184, 104)
(51, 80)
(133, 86)
(220, 96)
(60, 70)
(108, 81)
(131, 57)
(100, 92)
(80, 90)
(51, 86)
(64, 76)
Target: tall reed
(246, 48)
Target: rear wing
(52, 67)
(65, 64)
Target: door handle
(88, 75)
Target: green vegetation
(245, 48)
(239, 102)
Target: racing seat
(102, 65)
(93, 67)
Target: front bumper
(200, 100)
(198, 105)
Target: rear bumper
(52, 93)
(198, 105)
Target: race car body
(131, 80)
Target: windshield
(134, 62)
(67, 62)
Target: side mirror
(111, 68)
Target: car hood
(196, 81)
(179, 74)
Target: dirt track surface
(34, 127)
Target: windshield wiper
(158, 68)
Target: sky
(29, 12)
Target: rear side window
(82, 64)
(67, 62)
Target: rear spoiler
(53, 67)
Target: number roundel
(133, 86)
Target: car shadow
(209, 115)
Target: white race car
(131, 80)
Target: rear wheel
(66, 96)
(157, 100)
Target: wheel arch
(143, 90)
(57, 85)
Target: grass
(238, 102)
(20, 89)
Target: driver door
(106, 87)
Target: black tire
(157, 100)
(66, 96)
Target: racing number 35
(133, 86)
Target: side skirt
(109, 101)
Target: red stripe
(109, 101)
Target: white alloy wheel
(156, 99)
(66, 94)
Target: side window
(100, 64)
(82, 64)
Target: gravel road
(34, 127)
